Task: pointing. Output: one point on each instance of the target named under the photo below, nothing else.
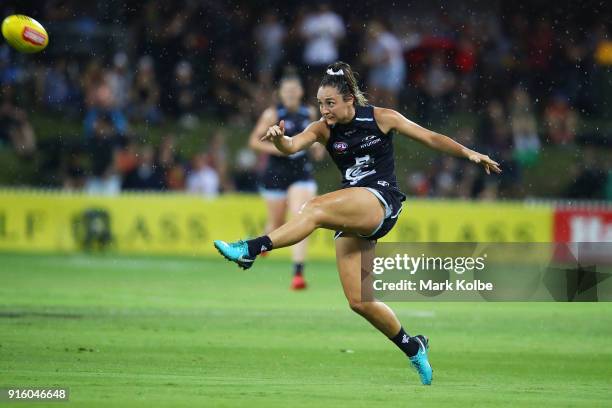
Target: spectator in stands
(493, 130)
(171, 163)
(235, 95)
(58, 87)
(202, 179)
(144, 96)
(465, 58)
(524, 128)
(10, 72)
(437, 85)
(269, 37)
(387, 69)
(74, 168)
(103, 148)
(540, 48)
(560, 121)
(15, 129)
(495, 137)
(120, 80)
(148, 174)
(100, 100)
(183, 95)
(322, 30)
(446, 178)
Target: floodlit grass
(148, 332)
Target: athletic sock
(298, 268)
(259, 245)
(409, 345)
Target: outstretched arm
(389, 119)
(315, 132)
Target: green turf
(173, 332)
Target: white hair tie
(332, 72)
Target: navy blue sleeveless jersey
(364, 156)
(362, 152)
(282, 171)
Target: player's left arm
(388, 120)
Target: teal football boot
(420, 362)
(236, 252)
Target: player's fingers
(491, 161)
(281, 126)
(486, 166)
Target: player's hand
(486, 162)
(275, 132)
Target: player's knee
(357, 306)
(313, 209)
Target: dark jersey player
(287, 182)
(366, 208)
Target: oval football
(24, 33)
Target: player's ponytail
(340, 76)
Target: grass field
(148, 332)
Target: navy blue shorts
(391, 199)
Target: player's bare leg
(354, 259)
(350, 252)
(297, 196)
(354, 210)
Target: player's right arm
(268, 118)
(315, 132)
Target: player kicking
(357, 136)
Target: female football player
(357, 136)
(287, 182)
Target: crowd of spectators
(528, 76)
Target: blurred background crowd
(160, 95)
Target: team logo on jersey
(340, 147)
(359, 170)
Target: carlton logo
(340, 146)
(33, 36)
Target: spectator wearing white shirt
(384, 56)
(322, 30)
(203, 179)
